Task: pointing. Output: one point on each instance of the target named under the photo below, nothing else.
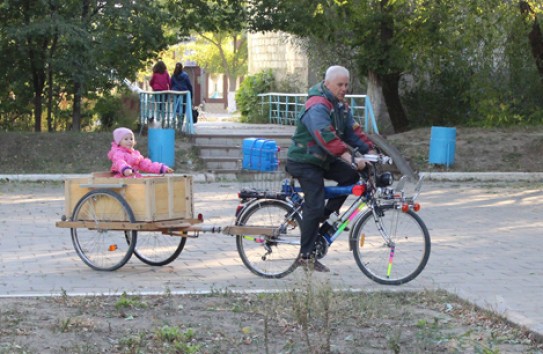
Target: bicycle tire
(372, 253)
(100, 248)
(157, 249)
(270, 259)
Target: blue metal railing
(165, 109)
(284, 108)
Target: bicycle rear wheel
(99, 247)
(267, 256)
(393, 248)
(157, 249)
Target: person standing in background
(181, 82)
(160, 81)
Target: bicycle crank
(321, 247)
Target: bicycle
(390, 242)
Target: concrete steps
(221, 152)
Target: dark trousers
(311, 179)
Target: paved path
(486, 247)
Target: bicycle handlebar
(382, 159)
(379, 158)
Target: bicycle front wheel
(99, 247)
(391, 248)
(157, 249)
(270, 256)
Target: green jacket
(325, 130)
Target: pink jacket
(160, 82)
(123, 158)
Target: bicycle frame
(356, 209)
(381, 221)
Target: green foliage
(107, 108)
(247, 98)
(473, 58)
(180, 340)
(52, 52)
(483, 77)
(117, 110)
(127, 302)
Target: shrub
(247, 98)
(117, 110)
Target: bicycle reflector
(358, 189)
(201, 217)
(238, 209)
(406, 207)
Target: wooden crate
(150, 198)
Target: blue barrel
(442, 145)
(161, 144)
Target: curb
(484, 176)
(211, 177)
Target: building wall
(273, 50)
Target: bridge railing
(165, 109)
(284, 108)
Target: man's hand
(358, 163)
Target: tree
(26, 35)
(370, 29)
(75, 48)
(221, 24)
(531, 12)
(221, 52)
(112, 40)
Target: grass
(311, 317)
(37, 153)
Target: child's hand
(169, 170)
(128, 172)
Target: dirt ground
(514, 149)
(477, 150)
(309, 319)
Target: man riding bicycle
(325, 134)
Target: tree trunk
(38, 78)
(391, 94)
(37, 111)
(50, 86)
(535, 36)
(232, 85)
(78, 85)
(37, 70)
(390, 82)
(50, 100)
(375, 93)
(50, 77)
(76, 113)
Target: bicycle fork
(377, 217)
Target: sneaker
(312, 264)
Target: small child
(127, 161)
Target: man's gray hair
(335, 71)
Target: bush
(117, 110)
(247, 98)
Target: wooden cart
(112, 218)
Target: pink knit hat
(119, 133)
